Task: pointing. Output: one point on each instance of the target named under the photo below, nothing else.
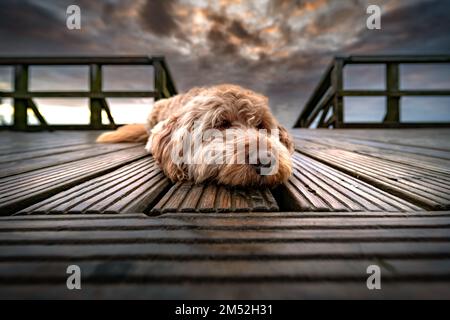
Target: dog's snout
(258, 166)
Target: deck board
(357, 198)
(436, 139)
(425, 161)
(257, 289)
(21, 142)
(127, 189)
(22, 190)
(425, 187)
(354, 172)
(229, 254)
(12, 168)
(186, 197)
(317, 187)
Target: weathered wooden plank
(415, 150)
(299, 236)
(192, 198)
(426, 188)
(208, 199)
(64, 201)
(187, 197)
(432, 163)
(19, 142)
(316, 187)
(20, 191)
(309, 214)
(231, 271)
(185, 253)
(21, 166)
(29, 155)
(239, 201)
(32, 218)
(435, 139)
(12, 148)
(131, 188)
(140, 199)
(223, 291)
(223, 202)
(219, 251)
(224, 223)
(348, 198)
(243, 215)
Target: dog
(234, 120)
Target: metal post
(338, 101)
(95, 103)
(158, 79)
(392, 102)
(20, 104)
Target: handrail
(329, 93)
(318, 92)
(164, 87)
(369, 59)
(58, 60)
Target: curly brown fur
(224, 107)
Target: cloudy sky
(277, 47)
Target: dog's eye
(260, 126)
(224, 124)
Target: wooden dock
(356, 198)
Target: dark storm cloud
(157, 17)
(22, 18)
(237, 29)
(288, 6)
(219, 42)
(223, 29)
(23, 25)
(39, 27)
(423, 28)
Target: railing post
(392, 102)
(338, 100)
(158, 79)
(95, 103)
(323, 117)
(20, 104)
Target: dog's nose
(258, 166)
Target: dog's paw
(148, 146)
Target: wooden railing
(164, 87)
(330, 93)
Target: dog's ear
(286, 138)
(162, 144)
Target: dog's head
(225, 134)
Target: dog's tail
(127, 133)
